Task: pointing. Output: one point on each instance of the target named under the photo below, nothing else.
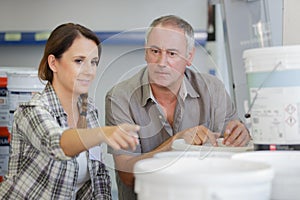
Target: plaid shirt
(38, 167)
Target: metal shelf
(107, 37)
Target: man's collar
(185, 89)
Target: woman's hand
(121, 137)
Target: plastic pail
(22, 83)
(207, 179)
(3, 99)
(4, 150)
(274, 89)
(286, 165)
(4, 102)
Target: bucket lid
(24, 79)
(23, 71)
(207, 171)
(266, 59)
(5, 69)
(282, 158)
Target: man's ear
(145, 53)
(52, 63)
(190, 57)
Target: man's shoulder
(128, 85)
(195, 77)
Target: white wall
(99, 15)
(291, 25)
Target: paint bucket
(4, 151)
(4, 102)
(286, 165)
(3, 97)
(22, 83)
(274, 89)
(4, 121)
(208, 179)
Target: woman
(53, 153)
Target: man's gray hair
(176, 22)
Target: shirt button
(160, 117)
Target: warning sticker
(291, 121)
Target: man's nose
(163, 59)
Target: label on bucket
(275, 115)
(4, 117)
(4, 155)
(3, 98)
(15, 98)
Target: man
(170, 101)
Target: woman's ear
(52, 63)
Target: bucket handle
(248, 115)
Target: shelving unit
(107, 37)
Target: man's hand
(236, 134)
(199, 135)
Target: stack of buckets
(17, 85)
(4, 134)
(269, 172)
(273, 78)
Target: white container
(4, 102)
(4, 155)
(24, 79)
(286, 165)
(274, 88)
(3, 98)
(208, 179)
(22, 84)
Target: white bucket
(22, 83)
(286, 165)
(3, 99)
(4, 155)
(274, 87)
(208, 179)
(24, 79)
(4, 102)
